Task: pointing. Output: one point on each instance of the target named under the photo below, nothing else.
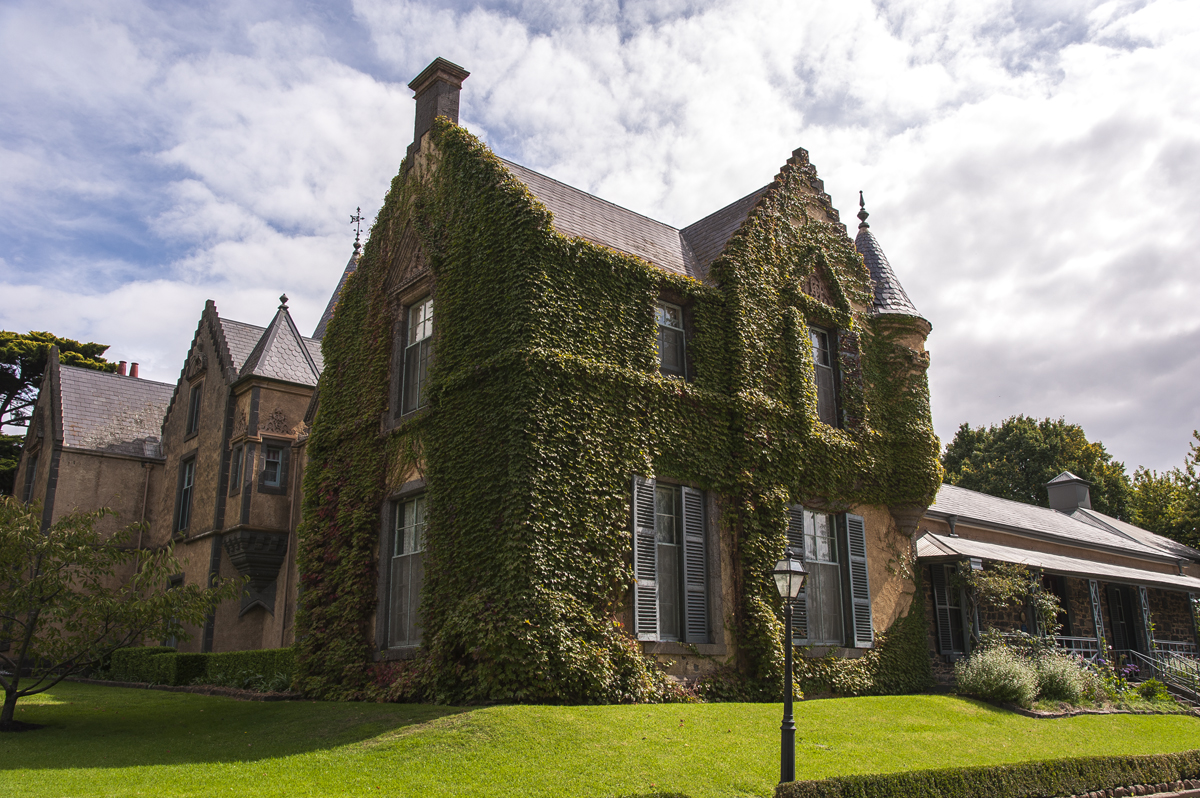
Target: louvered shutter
(695, 573)
(941, 602)
(795, 536)
(860, 585)
(1115, 614)
(645, 564)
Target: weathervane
(356, 220)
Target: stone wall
(1171, 615)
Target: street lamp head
(789, 575)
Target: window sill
(397, 654)
(686, 649)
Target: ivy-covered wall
(545, 399)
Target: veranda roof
(943, 547)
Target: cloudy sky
(1032, 167)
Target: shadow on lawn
(112, 727)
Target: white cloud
(1030, 166)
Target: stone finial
(862, 212)
(283, 301)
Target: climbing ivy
(543, 401)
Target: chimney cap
(439, 68)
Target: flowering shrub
(997, 674)
(1153, 690)
(1059, 677)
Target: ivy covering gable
(544, 400)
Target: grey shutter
(695, 573)
(645, 565)
(941, 603)
(795, 538)
(1117, 615)
(1097, 617)
(860, 586)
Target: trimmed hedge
(162, 665)
(133, 664)
(1023, 780)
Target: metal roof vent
(1069, 493)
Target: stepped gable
(890, 297)
(577, 214)
(351, 266)
(111, 413)
(282, 353)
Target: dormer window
(671, 355)
(418, 354)
(824, 375)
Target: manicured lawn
(110, 741)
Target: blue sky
(1032, 168)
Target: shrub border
(1059, 777)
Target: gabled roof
(577, 214)
(282, 353)
(935, 547)
(240, 338)
(110, 413)
(351, 265)
(890, 297)
(972, 506)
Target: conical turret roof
(890, 297)
(351, 265)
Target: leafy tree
(1189, 510)
(10, 456)
(69, 598)
(1157, 500)
(1016, 458)
(23, 359)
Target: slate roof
(577, 214)
(281, 353)
(110, 413)
(241, 339)
(1144, 536)
(351, 265)
(890, 297)
(931, 546)
(1042, 522)
(709, 236)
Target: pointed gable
(282, 353)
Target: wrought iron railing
(1172, 668)
(1175, 647)
(1086, 647)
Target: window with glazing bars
(193, 418)
(407, 572)
(187, 481)
(418, 354)
(825, 375)
(672, 358)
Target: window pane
(420, 321)
(667, 511)
(668, 315)
(407, 573)
(271, 465)
(820, 347)
(824, 592)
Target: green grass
(103, 741)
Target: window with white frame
(406, 571)
(183, 499)
(834, 607)
(670, 562)
(825, 375)
(418, 354)
(672, 357)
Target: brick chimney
(133, 370)
(121, 368)
(1069, 493)
(436, 90)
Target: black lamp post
(789, 576)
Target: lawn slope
(103, 741)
